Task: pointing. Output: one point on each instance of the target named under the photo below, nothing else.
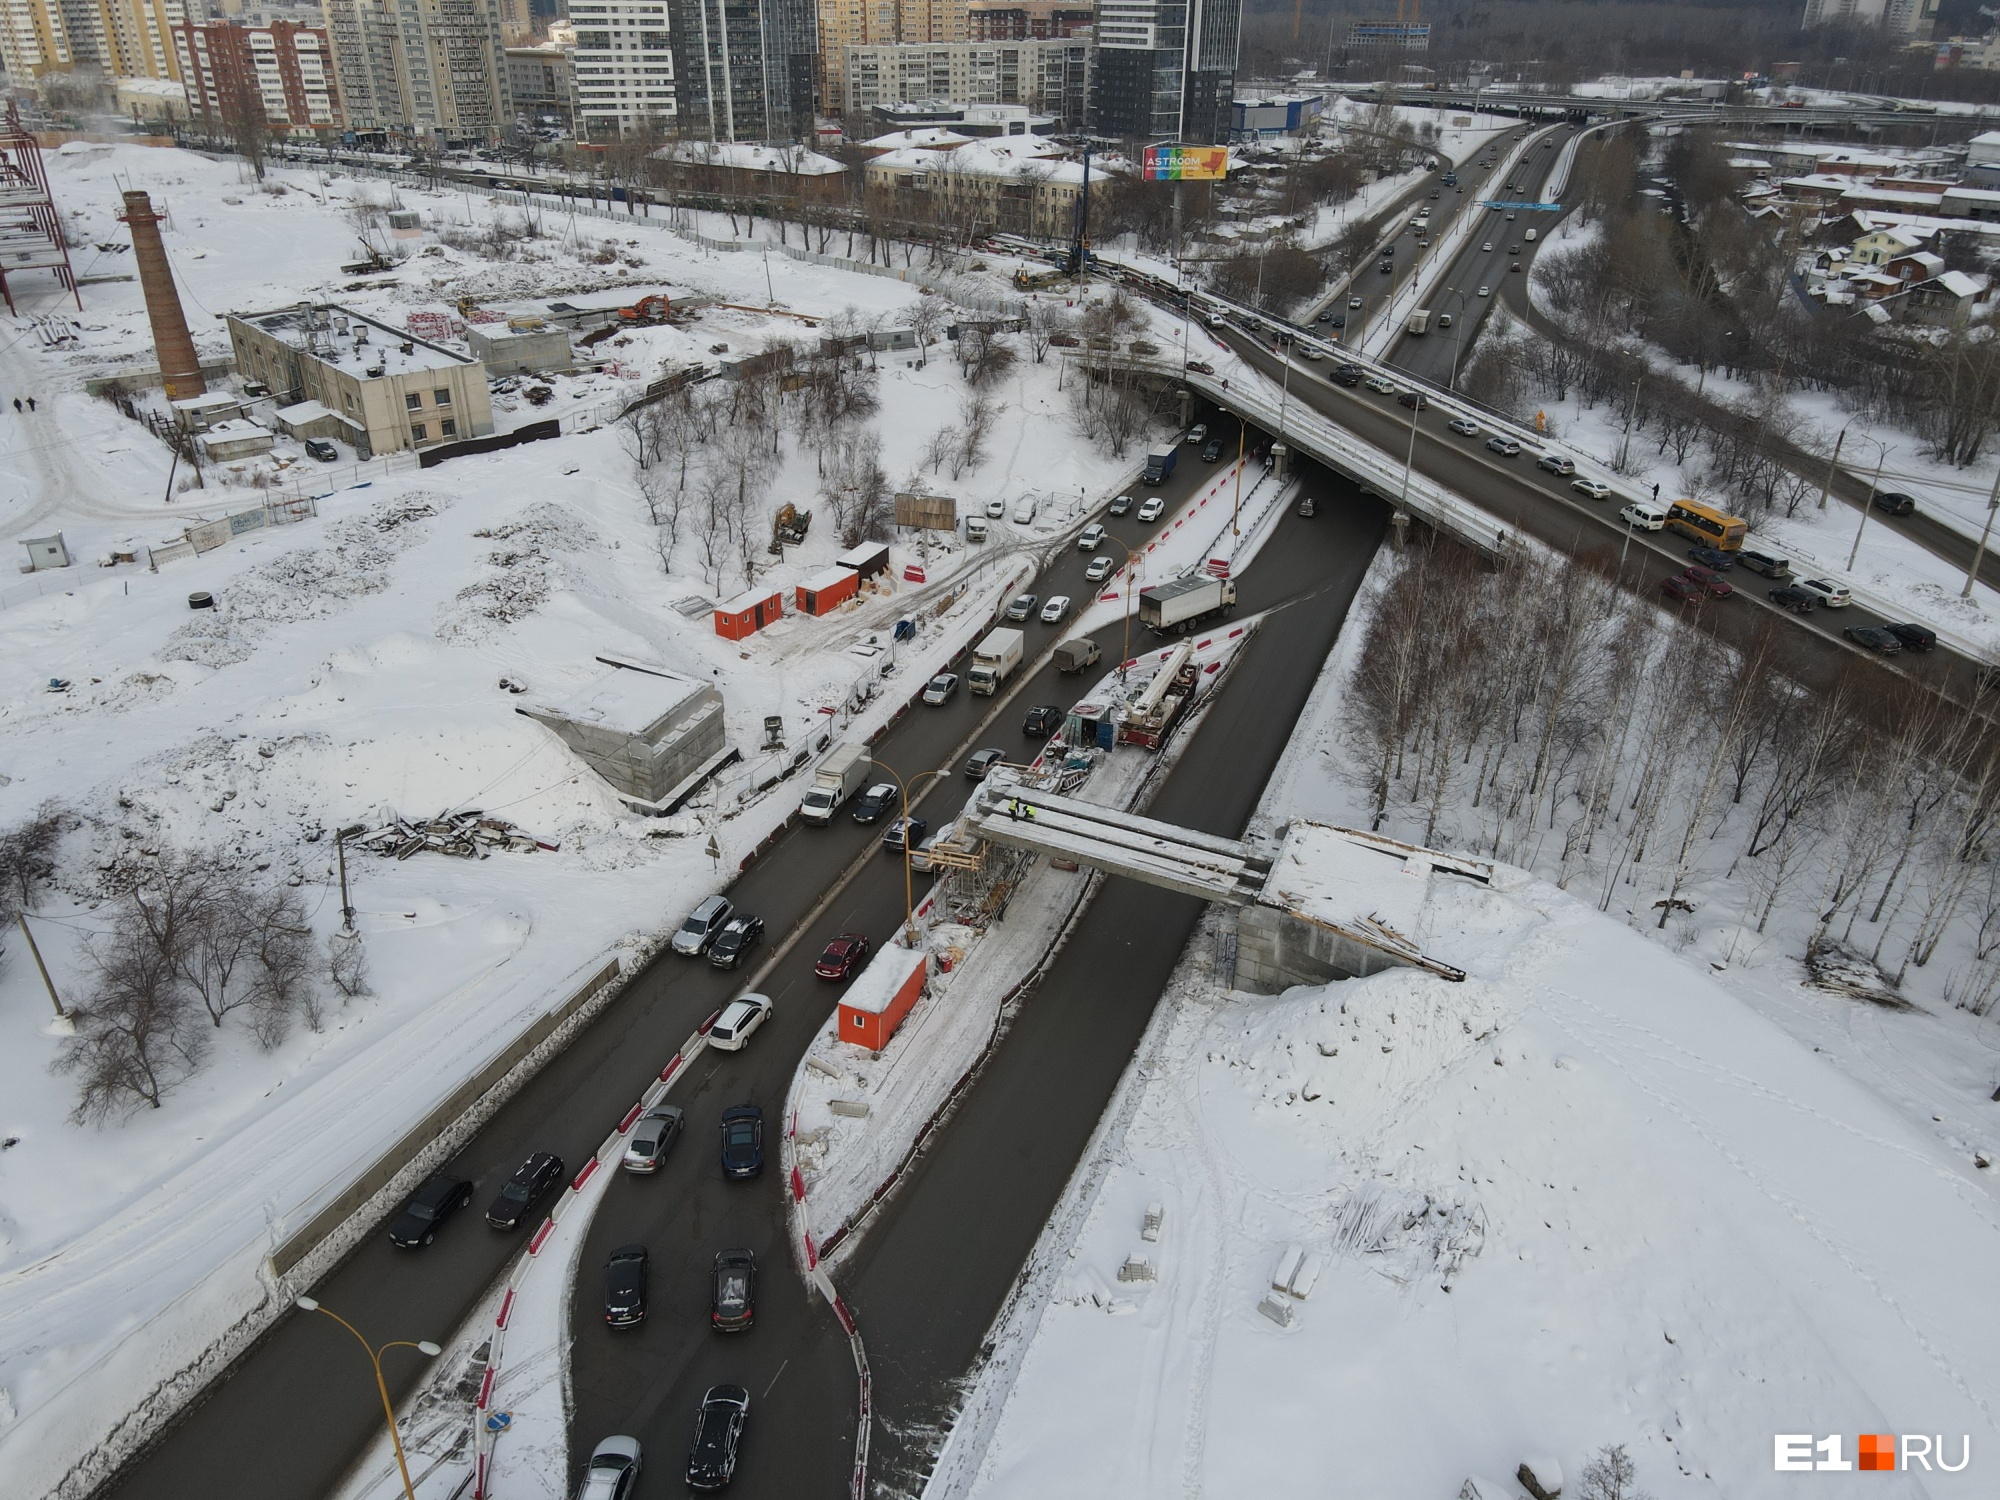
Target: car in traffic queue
(1463, 426)
(732, 1296)
(613, 1471)
(842, 956)
(1090, 538)
(1023, 605)
(1556, 464)
(1681, 589)
(981, 761)
(1043, 720)
(1503, 445)
(940, 688)
(904, 834)
(441, 1196)
(878, 802)
(1708, 581)
(1831, 595)
(738, 1022)
(1099, 569)
(1594, 489)
(1122, 504)
(652, 1138)
(701, 926)
(1150, 509)
(1775, 568)
(1873, 638)
(518, 1194)
(718, 1433)
(742, 1142)
(1914, 637)
(1799, 601)
(1056, 609)
(625, 1287)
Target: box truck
(1184, 604)
(1420, 320)
(1160, 463)
(836, 778)
(994, 660)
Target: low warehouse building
(869, 560)
(521, 351)
(652, 734)
(748, 613)
(881, 995)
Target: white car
(1099, 569)
(1056, 609)
(1151, 508)
(1025, 511)
(1832, 595)
(739, 1018)
(995, 509)
(1487, 247)
(1381, 384)
(1198, 434)
(1486, 291)
(613, 1473)
(1464, 426)
(1092, 535)
(1596, 489)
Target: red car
(1709, 581)
(1680, 589)
(842, 956)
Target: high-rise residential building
(542, 81)
(744, 69)
(1049, 77)
(846, 24)
(426, 68)
(1166, 69)
(1901, 18)
(624, 67)
(280, 72)
(1027, 20)
(119, 38)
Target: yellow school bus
(1706, 524)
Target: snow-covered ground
(354, 669)
(1599, 1193)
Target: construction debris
(465, 835)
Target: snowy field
(1608, 1190)
(354, 670)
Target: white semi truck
(1182, 605)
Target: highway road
(932, 1270)
(299, 1408)
(1519, 494)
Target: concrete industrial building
(1166, 69)
(846, 24)
(1050, 77)
(623, 67)
(280, 72)
(423, 68)
(652, 734)
(744, 69)
(337, 373)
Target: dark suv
(1895, 503)
(437, 1200)
(531, 1179)
(718, 1430)
(739, 935)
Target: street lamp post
(1457, 338)
(1868, 504)
(1131, 588)
(375, 1353)
(1979, 552)
(909, 881)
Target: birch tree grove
(1535, 714)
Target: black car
(428, 1208)
(718, 1429)
(1043, 720)
(1708, 557)
(905, 833)
(1211, 451)
(625, 1286)
(1895, 503)
(739, 935)
(321, 450)
(1325, 317)
(1798, 601)
(732, 1302)
(1416, 400)
(742, 1142)
(1913, 637)
(1873, 638)
(531, 1179)
(1387, 268)
(1763, 562)
(1347, 375)
(876, 802)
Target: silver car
(613, 1473)
(701, 926)
(652, 1138)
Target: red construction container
(880, 996)
(822, 593)
(749, 613)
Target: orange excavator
(646, 312)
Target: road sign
(498, 1422)
(1539, 208)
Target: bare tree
(347, 964)
(1610, 1475)
(976, 415)
(27, 858)
(139, 1035)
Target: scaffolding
(31, 235)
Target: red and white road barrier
(816, 1273)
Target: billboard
(927, 512)
(1186, 163)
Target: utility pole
(1834, 463)
(47, 983)
(340, 838)
(1867, 506)
(1631, 410)
(1979, 552)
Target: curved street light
(903, 787)
(375, 1353)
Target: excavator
(646, 312)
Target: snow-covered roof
(1924, 260)
(1894, 197)
(1964, 283)
(234, 430)
(928, 137)
(1750, 163)
(1973, 195)
(628, 699)
(996, 156)
(872, 990)
(1921, 225)
(207, 401)
(1986, 138)
(351, 342)
(793, 161)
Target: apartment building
(118, 38)
(744, 69)
(1166, 69)
(421, 68)
(1050, 77)
(337, 372)
(1027, 20)
(541, 80)
(1015, 184)
(623, 67)
(846, 24)
(281, 72)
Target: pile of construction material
(467, 835)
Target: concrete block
(1150, 1230)
(1278, 1310)
(852, 1109)
(1136, 1268)
(1288, 1267)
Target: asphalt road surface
(300, 1407)
(1520, 495)
(948, 1265)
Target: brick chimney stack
(171, 342)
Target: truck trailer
(994, 660)
(1180, 606)
(835, 779)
